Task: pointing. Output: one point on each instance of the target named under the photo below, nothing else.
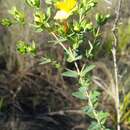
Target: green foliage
(70, 73)
(124, 32)
(73, 56)
(6, 22)
(89, 111)
(125, 109)
(86, 5)
(94, 96)
(86, 69)
(81, 94)
(25, 48)
(45, 60)
(50, 2)
(18, 16)
(103, 117)
(39, 20)
(102, 19)
(89, 51)
(33, 3)
(69, 33)
(95, 126)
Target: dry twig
(114, 50)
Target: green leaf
(94, 95)
(25, 48)
(84, 82)
(37, 28)
(90, 4)
(45, 60)
(49, 2)
(21, 47)
(32, 48)
(102, 116)
(6, 22)
(73, 56)
(48, 12)
(19, 16)
(87, 69)
(94, 126)
(70, 73)
(39, 21)
(33, 3)
(102, 19)
(89, 111)
(89, 52)
(39, 18)
(88, 26)
(125, 105)
(81, 93)
(56, 42)
(126, 102)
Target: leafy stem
(94, 111)
(81, 79)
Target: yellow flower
(65, 9)
(66, 5)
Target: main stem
(117, 100)
(114, 52)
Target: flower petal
(61, 15)
(66, 5)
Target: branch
(64, 112)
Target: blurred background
(34, 96)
